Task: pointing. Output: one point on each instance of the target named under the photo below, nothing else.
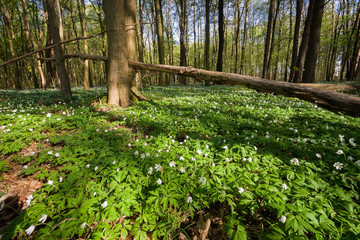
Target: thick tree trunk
(59, 55)
(119, 92)
(314, 43)
(333, 101)
(160, 38)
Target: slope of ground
(192, 163)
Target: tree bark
(130, 26)
(243, 47)
(207, 38)
(299, 7)
(82, 8)
(268, 40)
(304, 44)
(7, 15)
(354, 60)
(59, 54)
(119, 92)
(160, 38)
(333, 101)
(314, 43)
(183, 30)
(219, 65)
(30, 47)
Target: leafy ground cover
(217, 162)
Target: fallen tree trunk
(333, 87)
(333, 101)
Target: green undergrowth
(278, 168)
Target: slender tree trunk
(268, 40)
(314, 43)
(354, 60)
(289, 43)
(304, 43)
(160, 38)
(276, 69)
(207, 38)
(61, 29)
(139, 35)
(82, 8)
(272, 45)
(219, 65)
(29, 39)
(59, 54)
(214, 48)
(34, 46)
(183, 28)
(243, 47)
(119, 92)
(236, 34)
(330, 68)
(7, 16)
(299, 7)
(194, 32)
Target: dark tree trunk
(207, 38)
(272, 45)
(314, 43)
(303, 46)
(299, 7)
(160, 38)
(268, 39)
(183, 30)
(194, 32)
(354, 60)
(219, 65)
(59, 54)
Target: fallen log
(333, 87)
(333, 101)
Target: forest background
(260, 38)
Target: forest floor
(191, 163)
